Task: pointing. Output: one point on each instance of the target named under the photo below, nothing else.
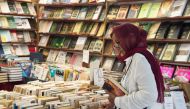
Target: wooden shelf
(180, 18)
(72, 35)
(168, 41)
(23, 1)
(70, 51)
(111, 56)
(15, 14)
(22, 29)
(175, 63)
(69, 20)
(71, 4)
(28, 43)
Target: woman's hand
(111, 99)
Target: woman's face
(118, 50)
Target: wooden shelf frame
(18, 29)
(16, 14)
(69, 20)
(56, 5)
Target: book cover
(122, 13)
(67, 13)
(103, 14)
(145, 9)
(4, 7)
(90, 12)
(118, 66)
(14, 37)
(12, 6)
(108, 63)
(174, 30)
(31, 8)
(27, 37)
(163, 30)
(80, 43)
(52, 56)
(159, 50)
(25, 8)
(75, 13)
(98, 46)
(145, 25)
(167, 71)
(97, 12)
(114, 87)
(4, 22)
(183, 53)
(11, 22)
(169, 52)
(43, 41)
(165, 8)
(78, 27)
(187, 9)
(154, 10)
(73, 43)
(66, 42)
(87, 44)
(94, 29)
(82, 13)
(7, 48)
(108, 47)
(178, 8)
(19, 8)
(182, 74)
(61, 57)
(5, 36)
(112, 13)
(185, 34)
(25, 23)
(102, 30)
(134, 11)
(153, 30)
(91, 46)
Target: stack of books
(3, 77)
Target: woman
(142, 77)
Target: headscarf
(133, 40)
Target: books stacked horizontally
(16, 49)
(73, 28)
(179, 73)
(3, 77)
(88, 13)
(166, 8)
(14, 73)
(69, 1)
(7, 6)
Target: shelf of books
(168, 31)
(17, 38)
(71, 28)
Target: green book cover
(145, 25)
(90, 28)
(53, 27)
(59, 44)
(90, 12)
(12, 7)
(75, 13)
(66, 42)
(154, 10)
(145, 9)
(25, 8)
(11, 22)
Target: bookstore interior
(57, 54)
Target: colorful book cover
(167, 71)
(182, 74)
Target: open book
(114, 87)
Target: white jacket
(140, 83)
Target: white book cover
(52, 56)
(19, 8)
(31, 8)
(80, 43)
(43, 41)
(14, 36)
(41, 23)
(122, 13)
(183, 53)
(7, 48)
(97, 12)
(26, 24)
(5, 36)
(108, 63)
(47, 24)
(82, 13)
(18, 22)
(4, 22)
(178, 8)
(4, 7)
(27, 37)
(74, 1)
(61, 58)
(100, 1)
(98, 46)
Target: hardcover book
(183, 53)
(80, 43)
(134, 11)
(97, 12)
(112, 13)
(122, 13)
(163, 30)
(75, 13)
(169, 52)
(145, 9)
(153, 30)
(90, 12)
(167, 71)
(82, 13)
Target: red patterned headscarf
(133, 40)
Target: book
(4, 7)
(108, 48)
(163, 30)
(134, 11)
(122, 13)
(97, 12)
(154, 10)
(25, 23)
(67, 13)
(25, 8)
(178, 8)
(4, 22)
(66, 42)
(98, 46)
(12, 6)
(21, 50)
(151, 48)
(11, 22)
(102, 30)
(7, 48)
(145, 25)
(61, 57)
(165, 8)
(31, 8)
(114, 87)
(112, 13)
(118, 66)
(5, 36)
(187, 9)
(145, 9)
(185, 34)
(182, 74)
(103, 14)
(52, 56)
(78, 27)
(43, 41)
(87, 44)
(80, 43)
(183, 53)
(75, 13)
(159, 50)
(73, 43)
(108, 63)
(55, 27)
(91, 46)
(90, 12)
(153, 30)
(169, 53)
(82, 13)
(174, 30)
(167, 71)
(27, 37)
(94, 29)
(19, 8)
